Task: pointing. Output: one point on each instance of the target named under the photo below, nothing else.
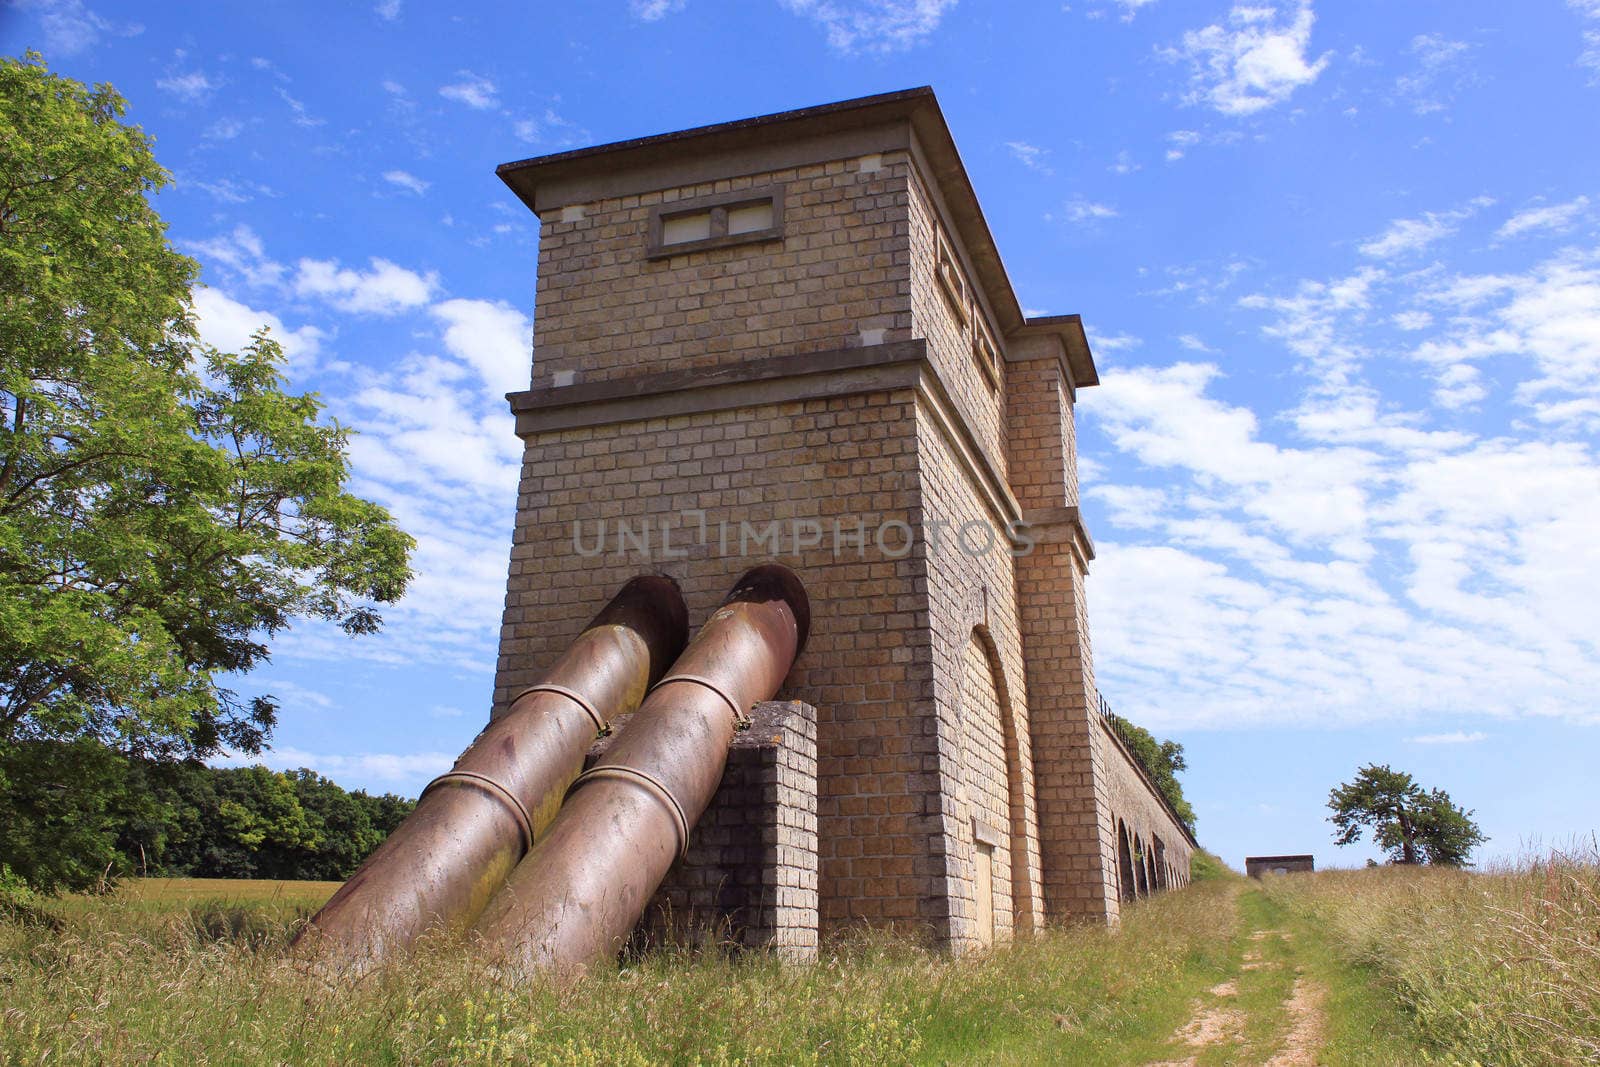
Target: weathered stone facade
(1259, 866)
(791, 338)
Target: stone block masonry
(1261, 866)
(792, 338)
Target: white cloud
(224, 129)
(1179, 142)
(227, 324)
(386, 289)
(550, 129)
(1358, 556)
(654, 10)
(494, 338)
(70, 28)
(1030, 156)
(1116, 342)
(1167, 421)
(387, 9)
(873, 26)
(1589, 58)
(407, 181)
(439, 449)
(1123, 164)
(228, 191)
(302, 117)
(1255, 62)
(1547, 317)
(1456, 737)
(191, 87)
(411, 771)
(291, 694)
(1439, 75)
(1081, 209)
(239, 254)
(1556, 217)
(1406, 236)
(472, 90)
(1459, 385)
(1194, 344)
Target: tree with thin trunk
(1411, 824)
(165, 507)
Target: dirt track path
(1269, 1013)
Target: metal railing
(1105, 710)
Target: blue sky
(1340, 263)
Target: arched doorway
(988, 795)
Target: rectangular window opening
(680, 229)
(983, 350)
(715, 222)
(949, 275)
(748, 218)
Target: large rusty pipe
(475, 822)
(574, 899)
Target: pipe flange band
(652, 785)
(495, 789)
(601, 727)
(741, 721)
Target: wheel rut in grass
(1269, 1012)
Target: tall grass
(1497, 967)
(208, 981)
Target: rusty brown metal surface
(475, 822)
(574, 899)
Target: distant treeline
(72, 815)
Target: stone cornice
(1054, 525)
(776, 380)
(1077, 362)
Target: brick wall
(1078, 876)
(980, 399)
(971, 601)
(605, 310)
(749, 877)
(953, 684)
(1161, 850)
(867, 667)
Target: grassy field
(1499, 968)
(1346, 967)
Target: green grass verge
(159, 973)
(1498, 968)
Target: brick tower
(792, 338)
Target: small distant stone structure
(1256, 866)
(792, 338)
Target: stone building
(1256, 866)
(792, 338)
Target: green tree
(165, 508)
(1411, 824)
(61, 806)
(1161, 760)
